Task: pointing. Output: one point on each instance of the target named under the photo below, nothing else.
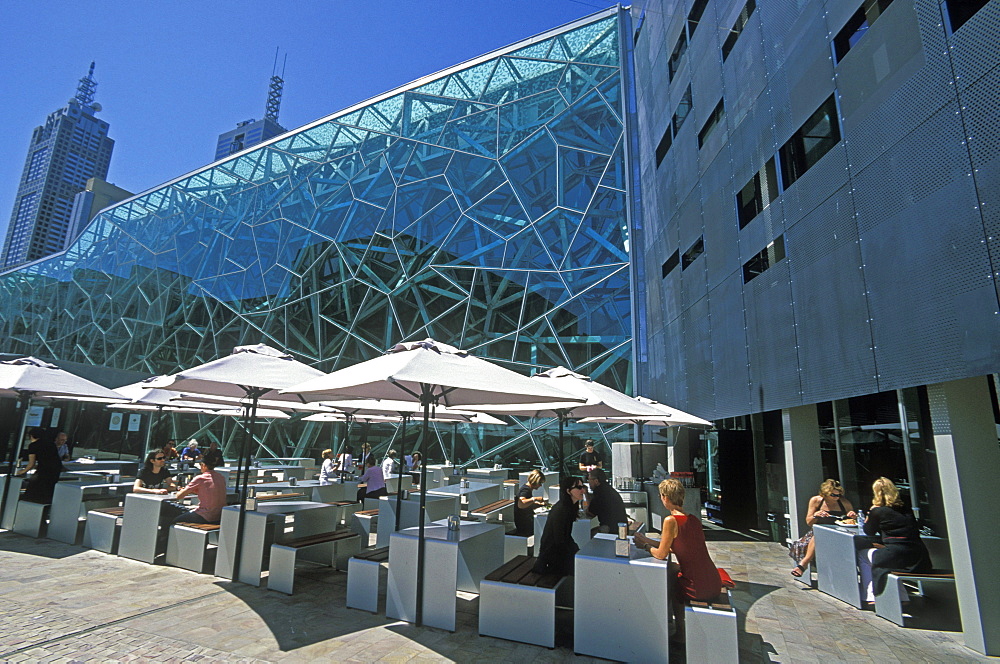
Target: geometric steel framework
(484, 206)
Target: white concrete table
(305, 462)
(453, 561)
(494, 475)
(264, 526)
(438, 507)
(140, 537)
(72, 500)
(13, 495)
(628, 598)
(837, 563)
(474, 496)
(583, 529)
(311, 488)
(439, 474)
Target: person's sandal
(798, 571)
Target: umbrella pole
(642, 474)
(343, 446)
(241, 494)
(562, 448)
(15, 450)
(425, 400)
(454, 437)
(399, 476)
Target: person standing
(328, 470)
(605, 503)
(389, 464)
(43, 458)
(699, 467)
(590, 459)
(558, 548)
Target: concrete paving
(63, 603)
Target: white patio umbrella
(250, 373)
(598, 401)
(430, 373)
(29, 378)
(668, 417)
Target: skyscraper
(71, 147)
(252, 132)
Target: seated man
(210, 487)
(372, 480)
(605, 503)
(590, 459)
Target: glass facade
(485, 206)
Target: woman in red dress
(697, 576)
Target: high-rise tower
(251, 132)
(70, 148)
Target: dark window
(713, 121)
(697, 249)
(694, 16)
(960, 11)
(808, 145)
(734, 33)
(857, 26)
(683, 108)
(664, 146)
(770, 255)
(750, 200)
(679, 49)
(670, 264)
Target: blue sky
(172, 75)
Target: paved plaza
(63, 603)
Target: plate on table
(846, 522)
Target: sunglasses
(159, 458)
(579, 486)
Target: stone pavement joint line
(69, 604)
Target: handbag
(797, 549)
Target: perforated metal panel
(774, 374)
(977, 36)
(729, 350)
(699, 374)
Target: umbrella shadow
(30, 546)
(752, 646)
(315, 613)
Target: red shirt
(699, 577)
(210, 488)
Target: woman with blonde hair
(901, 549)
(328, 471)
(526, 502)
(827, 507)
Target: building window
(697, 249)
(770, 255)
(675, 57)
(808, 145)
(664, 146)
(669, 265)
(683, 109)
(960, 11)
(737, 29)
(857, 26)
(750, 200)
(714, 120)
(694, 16)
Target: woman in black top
(558, 549)
(43, 458)
(154, 476)
(525, 504)
(901, 549)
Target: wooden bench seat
(200, 526)
(366, 578)
(332, 549)
(280, 496)
(373, 512)
(711, 630)
(517, 604)
(497, 506)
(192, 546)
(114, 511)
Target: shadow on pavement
(36, 547)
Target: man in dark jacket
(606, 504)
(557, 549)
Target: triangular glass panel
(500, 211)
(557, 230)
(415, 200)
(579, 174)
(471, 177)
(603, 234)
(587, 36)
(473, 133)
(539, 50)
(527, 251)
(579, 79)
(591, 125)
(426, 161)
(477, 77)
(531, 169)
(521, 118)
(471, 244)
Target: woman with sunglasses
(154, 476)
(826, 508)
(557, 549)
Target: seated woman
(697, 576)
(328, 470)
(829, 506)
(901, 549)
(372, 482)
(557, 550)
(525, 504)
(154, 476)
(170, 450)
(414, 467)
